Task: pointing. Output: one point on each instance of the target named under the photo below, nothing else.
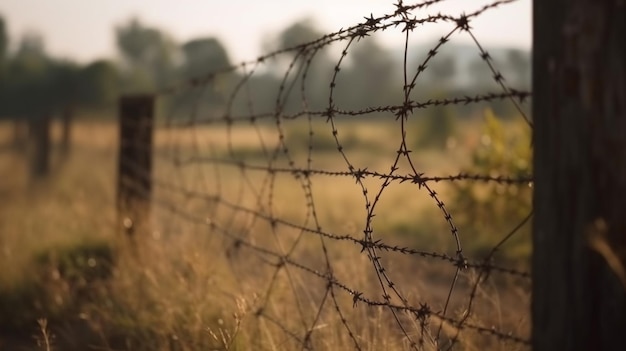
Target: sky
(84, 30)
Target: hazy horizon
(83, 31)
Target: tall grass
(184, 286)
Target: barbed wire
(238, 196)
(522, 96)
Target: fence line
(235, 195)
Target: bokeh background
(73, 281)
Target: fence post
(134, 183)
(39, 134)
(579, 137)
(20, 134)
(67, 117)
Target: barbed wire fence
(233, 173)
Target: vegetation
(73, 280)
(436, 128)
(179, 285)
(35, 84)
(489, 210)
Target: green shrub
(58, 282)
(87, 261)
(486, 212)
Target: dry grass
(185, 286)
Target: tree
(579, 234)
(204, 55)
(298, 33)
(64, 92)
(441, 69)
(201, 57)
(149, 53)
(27, 79)
(4, 40)
(369, 81)
(435, 127)
(518, 62)
(28, 97)
(38, 84)
(319, 70)
(372, 73)
(482, 76)
(99, 84)
(63, 85)
(4, 43)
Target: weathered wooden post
(67, 117)
(39, 134)
(134, 184)
(579, 234)
(20, 134)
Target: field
(214, 272)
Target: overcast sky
(83, 29)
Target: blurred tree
(369, 80)
(19, 135)
(481, 75)
(436, 127)
(27, 81)
(319, 70)
(29, 97)
(63, 92)
(483, 80)
(38, 84)
(4, 43)
(201, 57)
(204, 55)
(4, 40)
(518, 62)
(32, 44)
(99, 84)
(149, 53)
(262, 91)
(441, 70)
(300, 32)
(63, 83)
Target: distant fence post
(66, 129)
(134, 183)
(39, 135)
(20, 133)
(579, 137)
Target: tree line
(33, 83)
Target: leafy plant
(487, 212)
(61, 280)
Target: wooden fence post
(67, 116)
(579, 137)
(134, 183)
(39, 135)
(20, 134)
